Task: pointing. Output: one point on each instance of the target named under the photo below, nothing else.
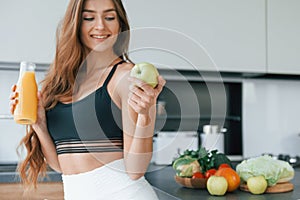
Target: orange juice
(26, 108)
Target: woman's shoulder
(121, 82)
(126, 66)
(124, 69)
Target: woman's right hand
(41, 117)
(13, 99)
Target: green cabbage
(274, 171)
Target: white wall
(28, 29)
(271, 117)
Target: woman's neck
(94, 70)
(100, 60)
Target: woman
(95, 122)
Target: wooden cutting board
(278, 188)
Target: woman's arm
(48, 148)
(138, 114)
(40, 127)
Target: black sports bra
(92, 124)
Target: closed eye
(110, 18)
(88, 18)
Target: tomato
(224, 165)
(232, 177)
(198, 175)
(210, 172)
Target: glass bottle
(26, 108)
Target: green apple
(217, 185)
(257, 184)
(145, 72)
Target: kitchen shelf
(193, 117)
(6, 116)
(15, 66)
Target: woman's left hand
(142, 96)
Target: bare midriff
(75, 163)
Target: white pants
(107, 182)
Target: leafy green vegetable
(221, 158)
(186, 166)
(272, 170)
(212, 159)
(207, 160)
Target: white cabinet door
(231, 32)
(10, 137)
(28, 29)
(270, 117)
(10, 132)
(283, 36)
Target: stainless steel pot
(213, 137)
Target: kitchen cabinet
(11, 133)
(7, 79)
(270, 112)
(28, 29)
(10, 137)
(210, 34)
(283, 25)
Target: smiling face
(100, 25)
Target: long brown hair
(59, 82)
